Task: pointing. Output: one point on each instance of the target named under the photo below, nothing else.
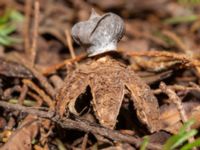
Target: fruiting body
(99, 34)
(109, 79)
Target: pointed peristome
(94, 14)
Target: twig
(178, 88)
(45, 97)
(55, 67)
(84, 143)
(23, 93)
(69, 44)
(24, 109)
(177, 101)
(174, 99)
(187, 61)
(36, 97)
(81, 125)
(8, 92)
(27, 26)
(183, 47)
(35, 31)
(42, 79)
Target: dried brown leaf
(21, 138)
(13, 69)
(171, 120)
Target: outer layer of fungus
(107, 78)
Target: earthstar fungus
(108, 78)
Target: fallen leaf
(171, 120)
(21, 138)
(13, 69)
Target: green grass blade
(180, 137)
(189, 146)
(185, 126)
(6, 30)
(181, 19)
(170, 142)
(16, 16)
(5, 17)
(4, 40)
(144, 143)
(184, 138)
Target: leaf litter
(150, 88)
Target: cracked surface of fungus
(109, 79)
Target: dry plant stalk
(27, 25)
(69, 44)
(187, 61)
(54, 68)
(176, 100)
(41, 78)
(183, 47)
(37, 98)
(45, 97)
(35, 31)
(23, 93)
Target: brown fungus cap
(99, 34)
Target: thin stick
(69, 44)
(27, 26)
(174, 99)
(41, 78)
(84, 143)
(182, 46)
(177, 101)
(23, 93)
(188, 61)
(175, 87)
(36, 97)
(81, 125)
(45, 97)
(35, 31)
(53, 68)
(24, 109)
